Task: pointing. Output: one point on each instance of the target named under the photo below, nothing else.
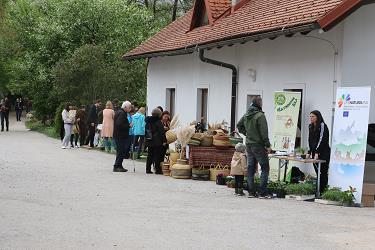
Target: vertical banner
(349, 139)
(285, 122)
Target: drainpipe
(234, 85)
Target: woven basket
(221, 141)
(181, 170)
(207, 141)
(219, 169)
(200, 174)
(171, 136)
(165, 169)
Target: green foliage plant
(300, 189)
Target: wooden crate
(368, 194)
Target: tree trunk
(146, 3)
(174, 11)
(154, 8)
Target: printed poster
(349, 139)
(285, 123)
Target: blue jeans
(123, 146)
(254, 155)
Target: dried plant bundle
(184, 135)
(175, 122)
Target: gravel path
(70, 199)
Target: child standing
(239, 167)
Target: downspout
(234, 85)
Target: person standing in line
(238, 168)
(18, 108)
(121, 135)
(4, 113)
(139, 130)
(74, 136)
(155, 141)
(92, 122)
(319, 146)
(108, 124)
(131, 133)
(68, 125)
(81, 125)
(254, 126)
(166, 120)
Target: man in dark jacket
(4, 113)
(92, 122)
(254, 126)
(155, 141)
(121, 135)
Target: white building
(309, 46)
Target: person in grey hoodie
(254, 126)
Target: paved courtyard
(70, 199)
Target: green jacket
(254, 126)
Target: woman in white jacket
(68, 126)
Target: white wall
(358, 61)
(281, 63)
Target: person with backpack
(155, 141)
(254, 126)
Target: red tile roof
(254, 17)
(218, 7)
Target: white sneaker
(77, 146)
(63, 147)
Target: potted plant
(332, 196)
(348, 197)
(301, 152)
(300, 191)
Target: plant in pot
(304, 191)
(332, 196)
(302, 152)
(348, 197)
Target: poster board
(285, 123)
(349, 139)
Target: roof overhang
(229, 41)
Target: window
(298, 142)
(171, 100)
(202, 105)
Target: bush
(333, 194)
(300, 189)
(38, 126)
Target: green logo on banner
(280, 99)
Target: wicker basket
(219, 169)
(200, 174)
(221, 141)
(181, 170)
(171, 136)
(165, 168)
(207, 141)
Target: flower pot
(280, 193)
(165, 169)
